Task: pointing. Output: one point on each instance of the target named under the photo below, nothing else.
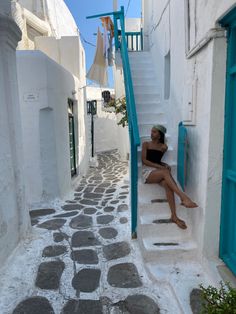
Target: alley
(80, 258)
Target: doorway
(228, 205)
(72, 137)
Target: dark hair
(162, 137)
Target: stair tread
(179, 245)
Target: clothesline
(104, 53)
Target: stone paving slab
(105, 219)
(84, 238)
(72, 207)
(116, 250)
(35, 305)
(108, 233)
(54, 250)
(94, 261)
(86, 256)
(41, 212)
(124, 275)
(86, 280)
(69, 214)
(60, 236)
(49, 275)
(52, 224)
(81, 221)
(83, 307)
(139, 304)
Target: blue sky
(82, 8)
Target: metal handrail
(121, 44)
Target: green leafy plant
(119, 106)
(218, 301)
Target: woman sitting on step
(155, 171)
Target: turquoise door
(228, 208)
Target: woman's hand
(166, 166)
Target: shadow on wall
(106, 133)
(48, 153)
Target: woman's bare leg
(159, 175)
(171, 200)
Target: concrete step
(164, 231)
(149, 117)
(149, 107)
(145, 89)
(182, 277)
(143, 82)
(161, 210)
(149, 192)
(141, 65)
(154, 221)
(137, 75)
(144, 97)
(140, 55)
(156, 249)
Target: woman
(155, 171)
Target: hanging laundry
(98, 70)
(108, 38)
(108, 24)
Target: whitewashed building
(45, 148)
(14, 223)
(184, 75)
(184, 79)
(51, 72)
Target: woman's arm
(164, 164)
(147, 162)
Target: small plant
(119, 106)
(219, 301)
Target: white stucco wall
(56, 13)
(61, 19)
(68, 51)
(132, 24)
(45, 125)
(123, 135)
(14, 217)
(107, 132)
(164, 28)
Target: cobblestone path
(86, 262)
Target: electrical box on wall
(189, 101)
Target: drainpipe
(211, 34)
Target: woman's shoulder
(145, 144)
(164, 147)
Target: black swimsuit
(154, 155)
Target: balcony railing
(134, 40)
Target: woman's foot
(188, 203)
(180, 223)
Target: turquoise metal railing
(182, 155)
(134, 40)
(121, 45)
